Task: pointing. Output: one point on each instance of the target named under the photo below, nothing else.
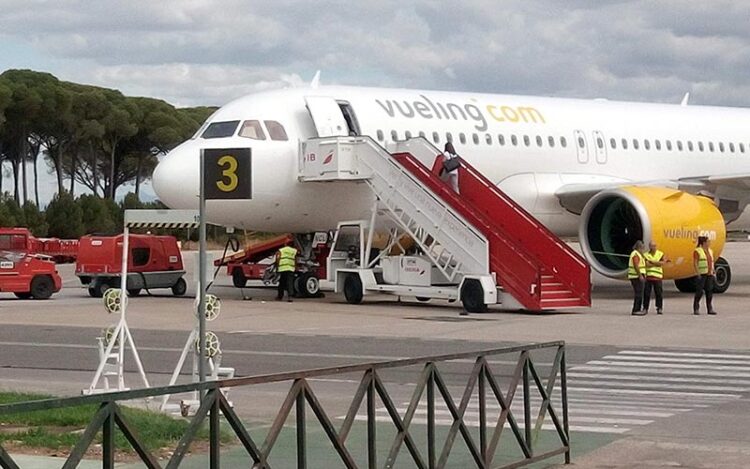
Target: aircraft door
(327, 116)
(600, 147)
(582, 148)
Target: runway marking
(670, 379)
(662, 371)
(685, 354)
(679, 360)
(670, 365)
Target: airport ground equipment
(478, 246)
(114, 341)
(504, 437)
(20, 239)
(256, 262)
(153, 262)
(28, 275)
(213, 359)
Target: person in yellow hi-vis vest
(703, 262)
(637, 277)
(655, 261)
(286, 264)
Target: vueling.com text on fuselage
(426, 108)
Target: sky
(207, 52)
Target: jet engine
(614, 219)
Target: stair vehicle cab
(153, 262)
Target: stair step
(562, 295)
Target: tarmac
(653, 391)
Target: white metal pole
(202, 275)
(123, 302)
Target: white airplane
(607, 172)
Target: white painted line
(669, 379)
(669, 365)
(629, 369)
(685, 354)
(475, 424)
(697, 387)
(718, 361)
(474, 416)
(697, 395)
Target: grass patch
(60, 429)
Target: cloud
(208, 52)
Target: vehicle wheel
(309, 285)
(42, 287)
(685, 285)
(353, 289)
(472, 296)
(23, 295)
(100, 286)
(92, 291)
(723, 275)
(134, 291)
(238, 278)
(179, 288)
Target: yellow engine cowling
(615, 219)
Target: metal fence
(483, 385)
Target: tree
(64, 217)
(97, 216)
(34, 219)
(10, 214)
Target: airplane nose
(175, 178)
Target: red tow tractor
(25, 270)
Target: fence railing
(483, 386)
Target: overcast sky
(200, 52)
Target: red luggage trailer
(23, 273)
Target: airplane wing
(731, 192)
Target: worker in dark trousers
(655, 261)
(286, 264)
(637, 277)
(703, 262)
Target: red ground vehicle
(23, 274)
(21, 240)
(153, 262)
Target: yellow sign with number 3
(229, 173)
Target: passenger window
(462, 138)
(563, 142)
(380, 135)
(679, 145)
(394, 135)
(711, 147)
(435, 137)
(514, 140)
(539, 141)
(657, 144)
(701, 147)
(251, 129)
(721, 147)
(488, 139)
(635, 144)
(731, 147)
(612, 143)
(407, 135)
(526, 140)
(624, 144)
(475, 139)
(646, 144)
(448, 137)
(225, 129)
(501, 139)
(581, 142)
(551, 141)
(669, 145)
(140, 256)
(742, 148)
(690, 145)
(276, 131)
(421, 134)
(599, 142)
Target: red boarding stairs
(530, 262)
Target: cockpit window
(220, 129)
(252, 129)
(276, 131)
